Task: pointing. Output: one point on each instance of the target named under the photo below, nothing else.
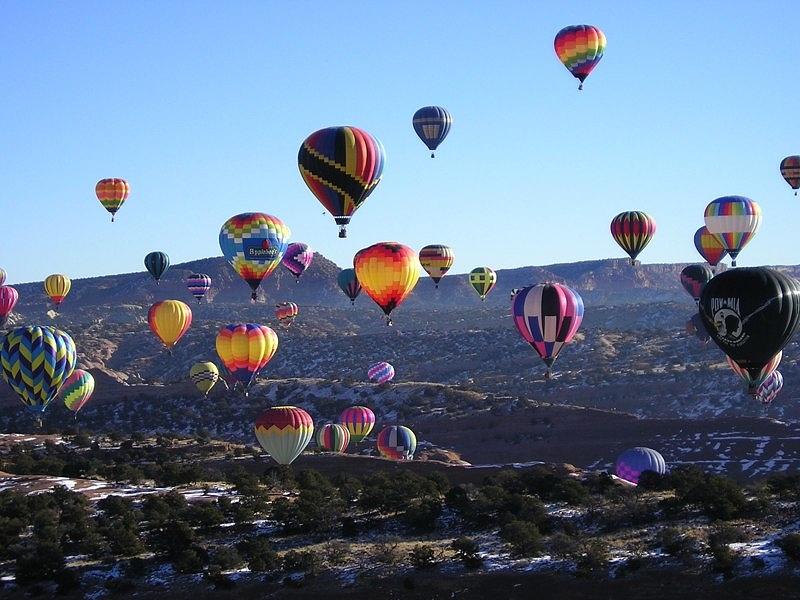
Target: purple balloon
(297, 258)
(635, 461)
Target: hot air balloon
(697, 328)
(633, 230)
(341, 166)
(8, 300)
(2, 277)
(709, 246)
(387, 271)
(284, 432)
(790, 169)
(482, 279)
(36, 361)
(580, 48)
(381, 372)
(77, 390)
(754, 381)
(169, 320)
(751, 314)
(770, 388)
(436, 260)
(245, 349)
(286, 312)
(298, 258)
(254, 244)
(734, 220)
(547, 316)
(348, 283)
(359, 421)
(633, 462)
(432, 124)
(156, 264)
(204, 375)
(57, 287)
(333, 438)
(397, 442)
(112, 194)
(198, 285)
(694, 278)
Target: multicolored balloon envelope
(57, 287)
(709, 246)
(204, 375)
(790, 170)
(254, 244)
(397, 442)
(694, 278)
(8, 300)
(341, 166)
(432, 124)
(547, 316)
(734, 220)
(436, 259)
(284, 432)
(751, 314)
(482, 280)
(286, 312)
(112, 194)
(169, 320)
(333, 438)
(753, 382)
(245, 349)
(381, 372)
(36, 361)
(633, 462)
(348, 283)
(198, 285)
(387, 271)
(633, 230)
(359, 421)
(77, 390)
(297, 258)
(770, 388)
(580, 48)
(156, 264)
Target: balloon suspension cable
(342, 231)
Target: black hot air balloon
(751, 313)
(694, 278)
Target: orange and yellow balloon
(169, 320)
(57, 287)
(436, 259)
(245, 349)
(112, 194)
(387, 271)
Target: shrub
(423, 516)
(301, 560)
(187, 560)
(564, 546)
(467, 550)
(790, 544)
(225, 558)
(593, 559)
(422, 557)
(41, 561)
(523, 537)
(675, 543)
(387, 553)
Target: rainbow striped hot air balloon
(397, 443)
(482, 280)
(359, 421)
(348, 283)
(77, 390)
(580, 48)
(734, 220)
(381, 372)
(432, 124)
(286, 312)
(333, 438)
(284, 432)
(169, 320)
(436, 259)
(790, 170)
(547, 316)
(753, 382)
(633, 230)
(198, 285)
(298, 258)
(112, 194)
(341, 166)
(709, 246)
(245, 349)
(36, 361)
(387, 271)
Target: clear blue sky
(203, 105)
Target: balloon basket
(342, 232)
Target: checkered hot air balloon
(245, 349)
(734, 220)
(633, 462)
(36, 361)
(753, 381)
(436, 259)
(112, 194)
(77, 390)
(198, 285)
(297, 258)
(709, 246)
(341, 166)
(580, 48)
(633, 230)
(547, 316)
(387, 271)
(204, 375)
(482, 280)
(770, 388)
(397, 443)
(790, 170)
(381, 372)
(432, 124)
(359, 421)
(284, 432)
(333, 438)
(254, 244)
